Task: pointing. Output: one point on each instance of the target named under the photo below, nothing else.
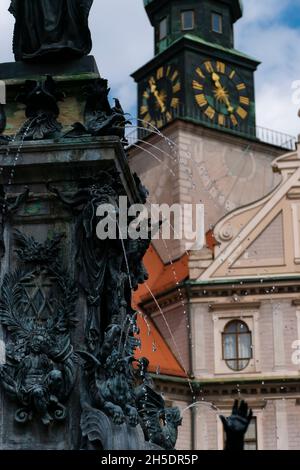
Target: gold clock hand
(225, 99)
(216, 79)
(228, 104)
(158, 98)
(154, 91)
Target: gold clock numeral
(244, 100)
(175, 76)
(201, 100)
(168, 71)
(197, 85)
(241, 86)
(159, 123)
(210, 112)
(176, 87)
(168, 116)
(232, 74)
(242, 112)
(147, 117)
(175, 102)
(160, 73)
(221, 120)
(221, 67)
(209, 67)
(146, 95)
(200, 73)
(234, 120)
(144, 110)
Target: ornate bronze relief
(37, 309)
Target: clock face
(221, 94)
(160, 96)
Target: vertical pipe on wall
(191, 369)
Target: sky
(123, 42)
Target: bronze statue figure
(51, 29)
(236, 426)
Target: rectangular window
(163, 28)
(251, 442)
(251, 436)
(187, 20)
(217, 23)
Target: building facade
(230, 312)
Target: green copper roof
(147, 2)
(216, 46)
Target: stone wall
(203, 166)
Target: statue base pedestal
(70, 164)
(71, 77)
(12, 72)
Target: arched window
(237, 345)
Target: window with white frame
(251, 436)
(236, 341)
(237, 345)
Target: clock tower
(199, 89)
(197, 74)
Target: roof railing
(258, 134)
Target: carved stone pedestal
(44, 298)
(68, 376)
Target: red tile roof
(154, 347)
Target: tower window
(187, 20)
(237, 345)
(217, 23)
(163, 28)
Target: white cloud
(261, 34)
(123, 41)
(262, 11)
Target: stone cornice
(244, 288)
(251, 388)
(239, 290)
(81, 152)
(234, 306)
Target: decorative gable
(263, 238)
(267, 249)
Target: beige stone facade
(192, 164)
(252, 277)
